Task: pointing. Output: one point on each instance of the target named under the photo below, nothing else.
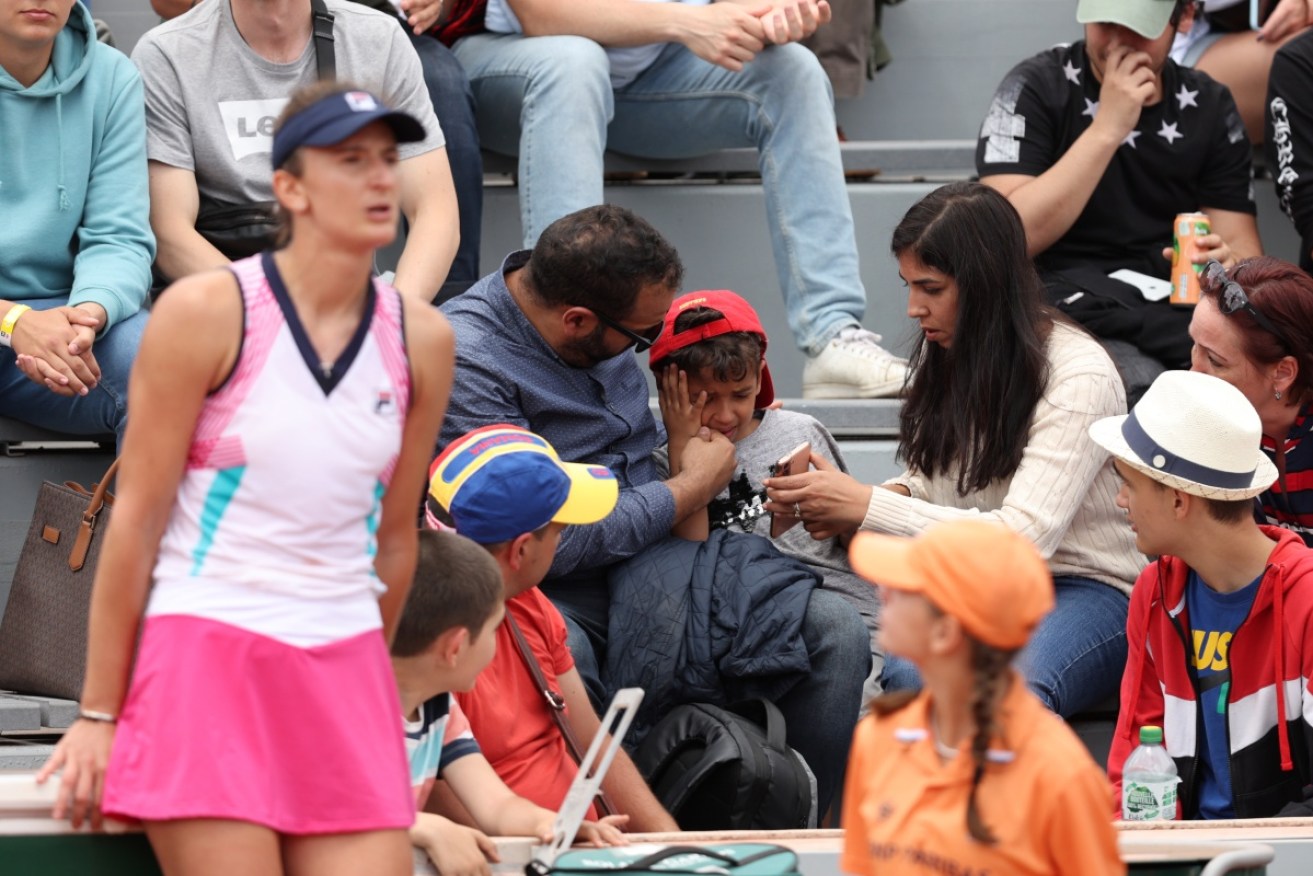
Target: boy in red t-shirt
(505, 488)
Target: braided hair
(990, 667)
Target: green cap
(1148, 18)
(1151, 735)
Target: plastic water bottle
(1149, 780)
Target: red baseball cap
(737, 315)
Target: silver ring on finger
(797, 510)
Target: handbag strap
(77, 558)
(325, 54)
(555, 706)
(649, 862)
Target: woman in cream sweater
(1001, 392)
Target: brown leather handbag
(43, 636)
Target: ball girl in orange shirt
(972, 775)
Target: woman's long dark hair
(970, 407)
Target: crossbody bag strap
(555, 705)
(325, 55)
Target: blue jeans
(549, 100)
(102, 411)
(1075, 657)
(453, 102)
(820, 712)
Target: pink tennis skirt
(224, 723)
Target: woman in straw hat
(973, 775)
(1221, 624)
(283, 414)
(994, 426)
(1253, 327)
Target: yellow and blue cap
(501, 481)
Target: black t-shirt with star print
(1189, 151)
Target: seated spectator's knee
(443, 74)
(792, 73)
(834, 628)
(1047, 689)
(116, 350)
(570, 68)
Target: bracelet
(97, 717)
(7, 324)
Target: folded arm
(175, 202)
(114, 242)
(428, 200)
(1050, 201)
(727, 34)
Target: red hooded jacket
(1271, 661)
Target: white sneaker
(854, 365)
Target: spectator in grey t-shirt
(215, 79)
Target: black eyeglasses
(1231, 298)
(641, 340)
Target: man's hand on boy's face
(454, 849)
(709, 457)
(682, 416)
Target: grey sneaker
(854, 365)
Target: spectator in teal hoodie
(75, 239)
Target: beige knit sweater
(1063, 495)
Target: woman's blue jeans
(1075, 657)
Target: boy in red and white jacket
(1220, 627)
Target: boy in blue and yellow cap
(505, 488)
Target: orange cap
(990, 578)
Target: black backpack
(715, 768)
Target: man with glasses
(547, 343)
(1099, 145)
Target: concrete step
(897, 160)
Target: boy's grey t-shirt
(740, 505)
(211, 101)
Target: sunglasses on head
(641, 341)
(1231, 298)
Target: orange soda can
(1186, 231)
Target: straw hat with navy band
(1194, 433)
(330, 120)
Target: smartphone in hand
(796, 461)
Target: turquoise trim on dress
(372, 520)
(226, 481)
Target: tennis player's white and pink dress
(262, 690)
